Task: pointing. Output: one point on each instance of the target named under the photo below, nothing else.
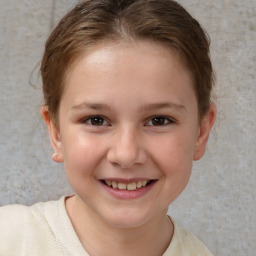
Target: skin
(126, 85)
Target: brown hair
(93, 21)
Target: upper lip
(127, 181)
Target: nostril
(126, 158)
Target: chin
(127, 219)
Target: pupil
(97, 121)
(158, 121)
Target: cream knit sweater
(45, 229)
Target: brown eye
(159, 121)
(96, 121)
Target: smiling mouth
(129, 186)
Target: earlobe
(57, 158)
(204, 132)
(54, 136)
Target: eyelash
(90, 121)
(164, 121)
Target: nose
(126, 149)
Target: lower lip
(128, 194)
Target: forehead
(112, 54)
(141, 66)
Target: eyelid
(85, 120)
(169, 119)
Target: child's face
(128, 115)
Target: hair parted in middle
(93, 22)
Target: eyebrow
(160, 105)
(95, 106)
(147, 107)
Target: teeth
(114, 184)
(130, 186)
(121, 186)
(108, 183)
(139, 184)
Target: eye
(159, 121)
(96, 121)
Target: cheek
(82, 156)
(174, 155)
(82, 153)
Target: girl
(127, 88)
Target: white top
(45, 229)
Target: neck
(100, 238)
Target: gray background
(219, 203)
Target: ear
(54, 136)
(204, 132)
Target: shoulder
(185, 243)
(21, 225)
(21, 215)
(13, 217)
